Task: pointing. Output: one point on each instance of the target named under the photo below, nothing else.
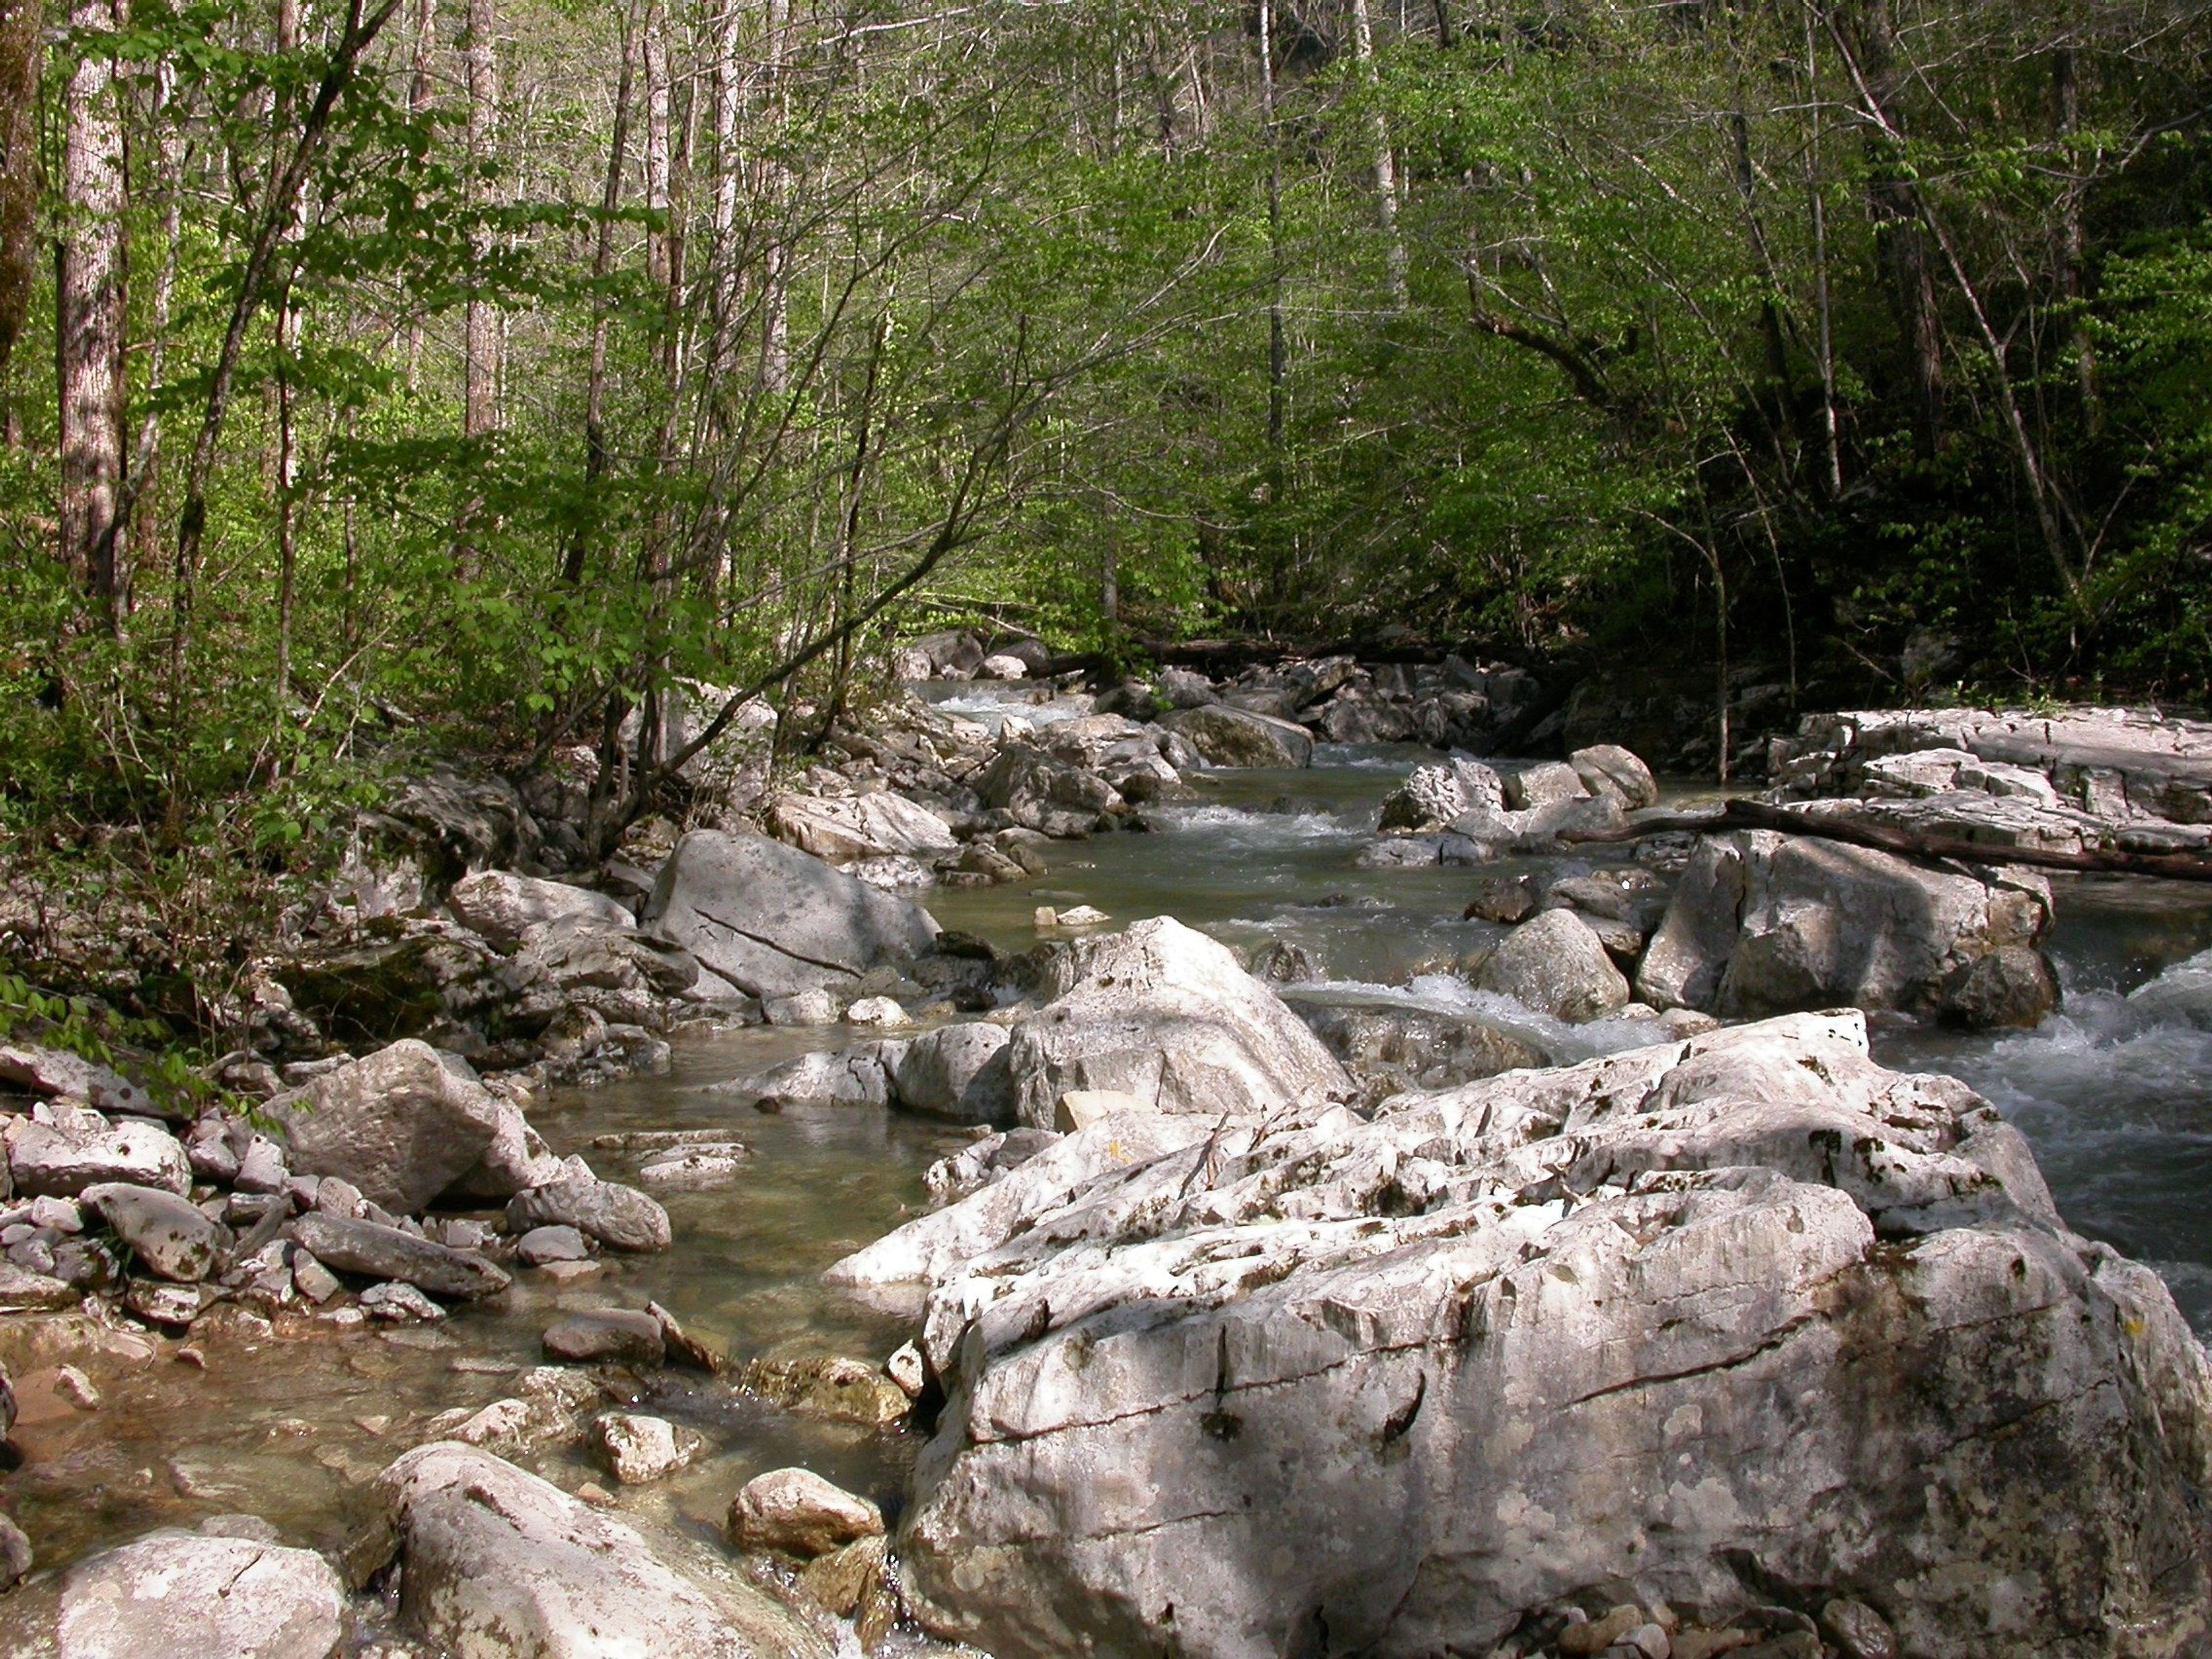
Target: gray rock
(1390, 1048)
(72, 1149)
(1631, 1323)
(2011, 986)
(400, 1126)
(619, 1217)
(497, 1562)
(858, 1076)
(1547, 783)
(1606, 769)
(16, 1554)
(517, 1159)
(1555, 963)
(171, 1237)
(1163, 1012)
(638, 1449)
(312, 1279)
(543, 1244)
(176, 1595)
(375, 1251)
(399, 1303)
(1764, 922)
(1434, 796)
(500, 907)
(810, 1007)
(174, 1306)
(607, 1336)
(24, 1291)
(846, 829)
(1241, 737)
(772, 920)
(57, 1072)
(704, 1168)
(796, 1513)
(957, 1072)
(1042, 793)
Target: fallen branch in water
(1763, 814)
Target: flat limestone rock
(1667, 1326)
(500, 907)
(81, 1149)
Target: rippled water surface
(2113, 1092)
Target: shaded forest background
(472, 368)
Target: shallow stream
(2115, 1094)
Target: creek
(2111, 1092)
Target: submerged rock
(1678, 1325)
(375, 1251)
(619, 1217)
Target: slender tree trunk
(19, 169)
(288, 332)
(1278, 354)
(480, 349)
(420, 94)
(90, 316)
(603, 257)
(777, 187)
(1900, 238)
(2066, 113)
(142, 475)
(1386, 163)
(1823, 308)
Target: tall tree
(90, 310)
(19, 167)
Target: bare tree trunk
(288, 331)
(2066, 112)
(1825, 318)
(420, 95)
(775, 314)
(480, 350)
(1278, 355)
(1900, 238)
(603, 257)
(1386, 164)
(19, 168)
(90, 316)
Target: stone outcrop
(772, 920)
(1764, 922)
(1163, 1012)
(497, 1561)
(1712, 1323)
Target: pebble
(543, 1244)
(640, 1449)
(73, 1386)
(877, 1011)
(596, 1495)
(904, 1368)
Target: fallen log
(1764, 815)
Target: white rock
(500, 1565)
(71, 1150)
(175, 1594)
(640, 1449)
(399, 1126)
(1555, 963)
(1163, 1012)
(500, 908)
(1078, 1108)
(848, 828)
(877, 1011)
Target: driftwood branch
(1763, 814)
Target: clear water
(2115, 1093)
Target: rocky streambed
(1443, 1237)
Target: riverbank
(1385, 985)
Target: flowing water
(288, 1423)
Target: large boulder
(176, 1595)
(1606, 769)
(1228, 736)
(402, 1124)
(1764, 922)
(500, 907)
(496, 1562)
(843, 829)
(1045, 794)
(1433, 796)
(772, 920)
(1555, 963)
(1165, 1013)
(1714, 1323)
